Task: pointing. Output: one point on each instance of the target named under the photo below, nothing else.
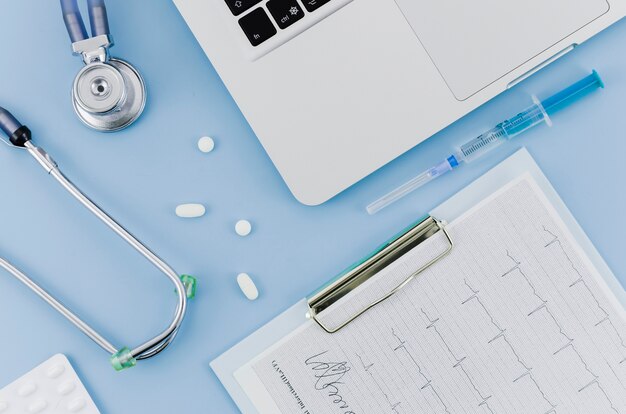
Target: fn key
(257, 26)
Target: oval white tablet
(76, 405)
(243, 228)
(206, 144)
(66, 388)
(190, 210)
(55, 371)
(37, 407)
(247, 286)
(27, 389)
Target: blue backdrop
(141, 174)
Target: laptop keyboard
(278, 20)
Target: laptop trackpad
(475, 42)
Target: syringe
(536, 114)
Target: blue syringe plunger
(572, 93)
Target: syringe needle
(424, 178)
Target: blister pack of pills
(52, 387)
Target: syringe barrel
(525, 120)
(481, 145)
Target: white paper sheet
(516, 320)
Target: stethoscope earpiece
(108, 93)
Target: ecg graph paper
(515, 320)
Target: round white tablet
(247, 286)
(190, 210)
(243, 228)
(206, 144)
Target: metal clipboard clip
(358, 274)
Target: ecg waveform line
(595, 381)
(429, 384)
(580, 279)
(475, 296)
(432, 324)
(616, 377)
(569, 340)
(394, 406)
(517, 268)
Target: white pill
(55, 371)
(247, 286)
(27, 389)
(206, 144)
(243, 227)
(76, 405)
(190, 210)
(37, 407)
(66, 388)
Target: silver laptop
(335, 89)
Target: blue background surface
(141, 174)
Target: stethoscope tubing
(58, 306)
(75, 25)
(20, 138)
(138, 246)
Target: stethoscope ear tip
(17, 133)
(8, 123)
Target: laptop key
(285, 12)
(312, 5)
(257, 26)
(239, 6)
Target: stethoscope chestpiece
(108, 93)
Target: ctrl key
(257, 26)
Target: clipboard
(512, 168)
(358, 274)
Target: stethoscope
(121, 358)
(108, 93)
